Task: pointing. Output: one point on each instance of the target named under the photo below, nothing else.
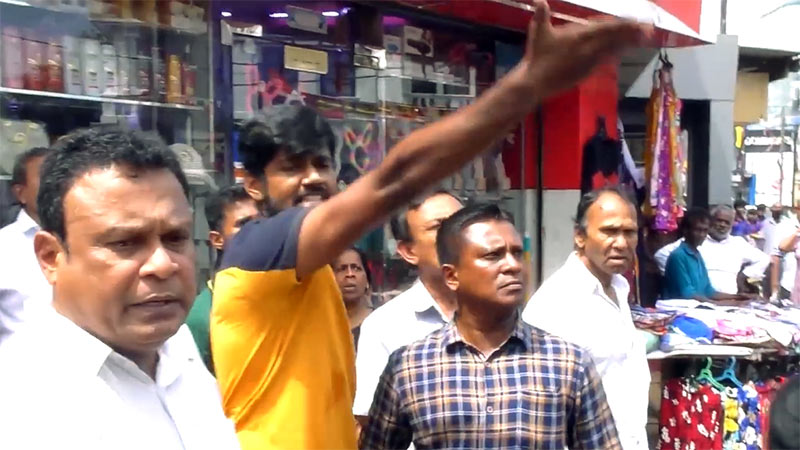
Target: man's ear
(50, 252)
(255, 187)
(450, 276)
(17, 189)
(406, 251)
(579, 238)
(216, 239)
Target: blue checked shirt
(535, 391)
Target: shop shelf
(88, 98)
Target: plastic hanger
(706, 375)
(729, 374)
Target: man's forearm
(441, 149)
(774, 275)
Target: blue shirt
(686, 275)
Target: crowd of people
(732, 253)
(282, 349)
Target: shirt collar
(586, 279)
(520, 333)
(25, 223)
(89, 354)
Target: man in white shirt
(586, 302)
(422, 309)
(111, 364)
(23, 288)
(782, 269)
(725, 256)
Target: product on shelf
(142, 86)
(159, 75)
(54, 79)
(73, 74)
(92, 67)
(174, 85)
(13, 71)
(33, 52)
(124, 68)
(145, 10)
(110, 76)
(189, 75)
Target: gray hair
(722, 208)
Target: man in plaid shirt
(488, 380)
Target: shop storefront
(143, 64)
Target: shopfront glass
(144, 64)
(377, 76)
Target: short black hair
(399, 222)
(294, 129)
(590, 198)
(761, 207)
(692, 216)
(218, 201)
(19, 175)
(97, 148)
(739, 203)
(448, 238)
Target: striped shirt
(535, 391)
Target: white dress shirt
(724, 260)
(573, 305)
(24, 291)
(63, 388)
(409, 317)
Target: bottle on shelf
(159, 92)
(73, 73)
(33, 52)
(174, 85)
(13, 68)
(189, 75)
(92, 67)
(54, 79)
(142, 80)
(124, 67)
(110, 81)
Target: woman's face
(351, 276)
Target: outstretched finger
(611, 37)
(540, 26)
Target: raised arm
(555, 59)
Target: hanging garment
(691, 417)
(602, 156)
(664, 157)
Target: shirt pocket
(536, 415)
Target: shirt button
(489, 409)
(487, 364)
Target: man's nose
(159, 264)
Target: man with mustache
(586, 303)
(280, 339)
(488, 379)
(111, 365)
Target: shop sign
(768, 140)
(306, 20)
(305, 59)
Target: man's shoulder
(419, 350)
(396, 308)
(267, 243)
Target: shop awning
(515, 15)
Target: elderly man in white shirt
(23, 289)
(725, 256)
(422, 309)
(586, 302)
(111, 365)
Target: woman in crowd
(354, 280)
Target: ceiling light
(330, 13)
(279, 15)
(226, 13)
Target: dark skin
(26, 193)
(125, 273)
(423, 224)
(489, 280)
(432, 153)
(694, 236)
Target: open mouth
(311, 199)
